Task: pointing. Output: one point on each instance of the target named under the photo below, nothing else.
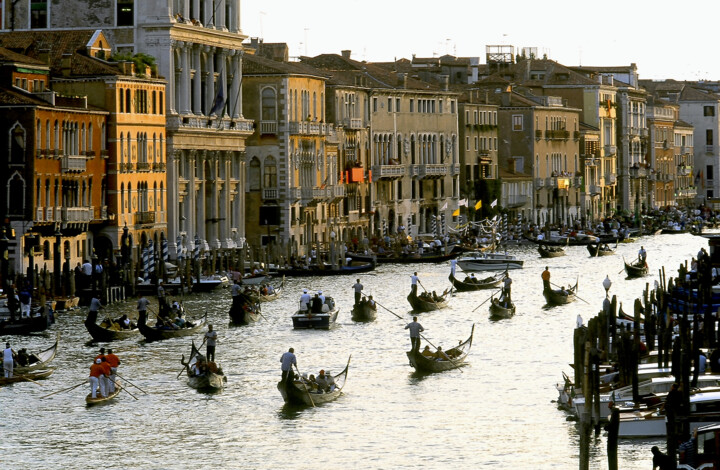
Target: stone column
(210, 80)
(223, 76)
(220, 15)
(196, 9)
(198, 194)
(197, 81)
(223, 178)
(209, 20)
(185, 78)
(235, 99)
(185, 9)
(173, 199)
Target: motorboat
(484, 261)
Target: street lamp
(57, 259)
(606, 284)
(4, 253)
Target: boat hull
(550, 253)
(98, 400)
(593, 250)
(45, 357)
(420, 305)
(25, 326)
(207, 383)
(354, 269)
(498, 311)
(304, 320)
(101, 334)
(633, 270)
(27, 377)
(156, 334)
(363, 312)
(481, 284)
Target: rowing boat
(297, 392)
(561, 296)
(103, 334)
(260, 297)
(244, 310)
(600, 249)
(497, 310)
(364, 311)
(154, 333)
(29, 377)
(451, 359)
(474, 284)
(636, 269)
(211, 380)
(42, 359)
(100, 400)
(547, 251)
(427, 305)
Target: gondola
(364, 311)
(153, 333)
(39, 360)
(66, 303)
(636, 269)
(244, 310)
(578, 240)
(547, 251)
(497, 310)
(100, 400)
(211, 380)
(27, 377)
(601, 249)
(327, 270)
(25, 326)
(301, 393)
(102, 333)
(324, 320)
(260, 297)
(560, 296)
(419, 304)
(451, 359)
(417, 258)
(672, 231)
(478, 284)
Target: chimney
(445, 82)
(346, 53)
(402, 79)
(65, 64)
(505, 96)
(44, 55)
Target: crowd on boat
(103, 374)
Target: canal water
(498, 412)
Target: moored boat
(472, 284)
(442, 360)
(38, 321)
(202, 375)
(364, 311)
(156, 333)
(302, 392)
(561, 296)
(27, 377)
(426, 303)
(104, 332)
(499, 310)
(547, 251)
(66, 303)
(484, 261)
(327, 269)
(37, 361)
(636, 269)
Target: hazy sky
(666, 39)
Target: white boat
(304, 318)
(479, 261)
(704, 407)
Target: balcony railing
(610, 150)
(143, 166)
(74, 163)
(455, 169)
(337, 191)
(307, 128)
(76, 214)
(685, 150)
(388, 171)
(594, 189)
(551, 182)
(268, 127)
(158, 167)
(39, 214)
(610, 179)
(144, 217)
(352, 123)
(52, 214)
(270, 193)
(539, 182)
(557, 134)
(432, 170)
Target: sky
(651, 34)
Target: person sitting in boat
(124, 322)
(322, 382)
(435, 297)
(371, 302)
(200, 367)
(316, 304)
(180, 321)
(562, 291)
(440, 355)
(270, 289)
(427, 353)
(21, 358)
(331, 381)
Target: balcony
(517, 200)
(294, 194)
(76, 214)
(306, 128)
(158, 167)
(103, 212)
(127, 167)
(52, 214)
(39, 214)
(432, 171)
(551, 182)
(143, 166)
(268, 127)
(594, 190)
(557, 134)
(591, 161)
(610, 150)
(539, 183)
(335, 192)
(610, 179)
(73, 164)
(687, 192)
(454, 169)
(388, 171)
(352, 123)
(709, 149)
(273, 193)
(684, 170)
(144, 218)
(685, 150)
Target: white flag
(463, 202)
(444, 206)
(494, 203)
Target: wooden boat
(260, 297)
(601, 249)
(66, 303)
(497, 310)
(327, 270)
(39, 360)
(488, 261)
(547, 251)
(33, 375)
(102, 333)
(636, 269)
(419, 304)
(210, 380)
(364, 311)
(478, 284)
(429, 257)
(561, 297)
(452, 359)
(301, 393)
(306, 319)
(153, 333)
(244, 310)
(99, 400)
(176, 285)
(25, 326)
(564, 240)
(672, 231)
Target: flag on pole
(456, 212)
(478, 204)
(494, 203)
(444, 207)
(219, 102)
(463, 202)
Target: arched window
(122, 198)
(254, 175)
(127, 101)
(16, 195)
(89, 141)
(129, 198)
(47, 254)
(154, 102)
(56, 136)
(122, 149)
(38, 136)
(269, 173)
(269, 109)
(121, 100)
(17, 143)
(47, 134)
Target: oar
(122, 388)
(559, 287)
(491, 296)
(28, 379)
(126, 380)
(65, 389)
(304, 386)
(421, 335)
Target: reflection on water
(498, 411)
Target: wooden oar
(421, 335)
(491, 296)
(122, 388)
(65, 389)
(126, 380)
(304, 386)
(28, 379)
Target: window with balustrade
(268, 105)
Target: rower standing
(287, 361)
(358, 291)
(8, 360)
(211, 338)
(546, 279)
(507, 283)
(413, 283)
(305, 300)
(415, 330)
(113, 361)
(642, 255)
(96, 374)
